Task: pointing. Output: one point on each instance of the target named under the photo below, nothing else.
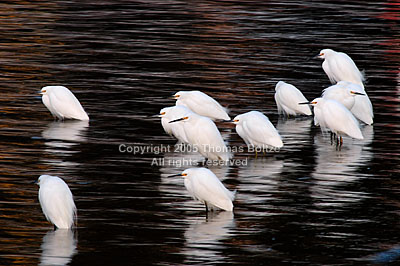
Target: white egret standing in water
(56, 201)
(62, 103)
(201, 104)
(256, 130)
(168, 114)
(339, 66)
(204, 136)
(288, 97)
(204, 186)
(334, 116)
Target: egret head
(280, 83)
(42, 179)
(183, 94)
(44, 91)
(163, 112)
(178, 95)
(324, 53)
(236, 120)
(317, 101)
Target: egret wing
(290, 96)
(206, 135)
(208, 188)
(57, 203)
(342, 67)
(65, 103)
(341, 120)
(362, 109)
(205, 105)
(261, 131)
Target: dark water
(305, 205)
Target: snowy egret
(204, 136)
(288, 97)
(56, 200)
(343, 92)
(257, 131)
(168, 114)
(62, 103)
(339, 66)
(204, 186)
(202, 104)
(337, 118)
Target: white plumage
(62, 103)
(204, 136)
(344, 92)
(204, 186)
(288, 97)
(339, 66)
(256, 130)
(334, 116)
(201, 104)
(168, 114)
(56, 201)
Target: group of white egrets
(191, 122)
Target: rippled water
(308, 204)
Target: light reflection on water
(58, 247)
(204, 237)
(306, 204)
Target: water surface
(308, 204)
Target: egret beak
(318, 56)
(174, 175)
(305, 103)
(357, 93)
(40, 92)
(159, 115)
(179, 119)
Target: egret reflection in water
(294, 131)
(259, 181)
(203, 236)
(336, 169)
(58, 247)
(65, 134)
(61, 138)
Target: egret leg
(205, 203)
(256, 154)
(339, 142)
(55, 227)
